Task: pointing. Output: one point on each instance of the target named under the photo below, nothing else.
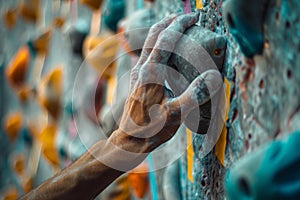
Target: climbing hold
(139, 180)
(41, 44)
(245, 21)
(19, 164)
(27, 183)
(25, 93)
(270, 172)
(100, 52)
(11, 194)
(13, 125)
(59, 22)
(213, 43)
(93, 4)
(113, 12)
(199, 4)
(51, 155)
(30, 11)
(47, 138)
(10, 18)
(17, 70)
(203, 44)
(50, 92)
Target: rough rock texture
(265, 91)
(265, 94)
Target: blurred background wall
(38, 136)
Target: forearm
(84, 179)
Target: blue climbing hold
(271, 172)
(114, 11)
(245, 20)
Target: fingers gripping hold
(167, 39)
(153, 34)
(200, 91)
(158, 47)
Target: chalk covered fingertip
(213, 81)
(205, 86)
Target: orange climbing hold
(139, 180)
(19, 164)
(27, 183)
(10, 18)
(59, 22)
(51, 155)
(41, 44)
(16, 71)
(13, 125)
(25, 93)
(93, 4)
(50, 92)
(11, 194)
(30, 11)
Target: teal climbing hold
(271, 172)
(245, 20)
(113, 12)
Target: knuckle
(180, 19)
(163, 36)
(156, 28)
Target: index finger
(168, 38)
(154, 68)
(153, 34)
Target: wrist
(125, 151)
(127, 142)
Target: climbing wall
(22, 166)
(264, 100)
(264, 95)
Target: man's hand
(151, 117)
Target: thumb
(200, 91)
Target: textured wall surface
(264, 93)
(264, 102)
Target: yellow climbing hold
(50, 92)
(16, 71)
(221, 143)
(100, 52)
(47, 138)
(27, 183)
(13, 125)
(190, 154)
(199, 4)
